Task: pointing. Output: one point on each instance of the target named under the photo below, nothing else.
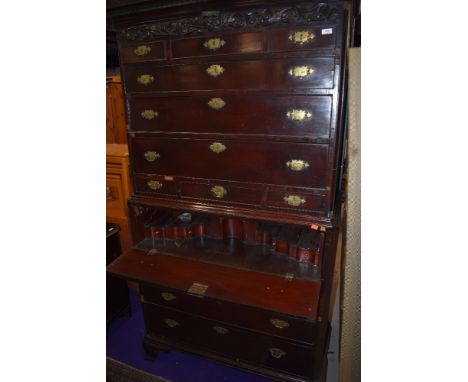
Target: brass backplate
(214, 43)
(215, 70)
(198, 289)
(301, 37)
(216, 103)
(142, 50)
(301, 71)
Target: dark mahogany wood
(260, 257)
(246, 115)
(255, 74)
(242, 160)
(294, 297)
(157, 52)
(253, 319)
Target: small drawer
(302, 38)
(159, 185)
(264, 321)
(228, 340)
(299, 200)
(221, 192)
(274, 74)
(152, 51)
(235, 43)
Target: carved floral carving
(219, 20)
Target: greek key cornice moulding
(218, 20)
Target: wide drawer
(282, 163)
(304, 116)
(265, 321)
(155, 51)
(228, 341)
(252, 74)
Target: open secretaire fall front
(235, 129)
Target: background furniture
(236, 139)
(117, 299)
(116, 128)
(118, 189)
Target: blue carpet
(124, 344)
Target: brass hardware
(145, 79)
(294, 200)
(218, 192)
(297, 165)
(300, 71)
(154, 184)
(220, 330)
(198, 289)
(214, 43)
(217, 147)
(280, 324)
(215, 70)
(149, 114)
(298, 114)
(277, 353)
(216, 103)
(168, 296)
(301, 37)
(151, 156)
(142, 50)
(171, 323)
(289, 276)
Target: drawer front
(221, 192)
(228, 341)
(302, 38)
(293, 164)
(255, 74)
(296, 200)
(152, 51)
(281, 115)
(115, 203)
(156, 185)
(264, 321)
(251, 42)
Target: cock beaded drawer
(235, 113)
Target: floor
(124, 344)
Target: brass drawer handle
(294, 200)
(298, 114)
(168, 296)
(171, 323)
(220, 330)
(149, 114)
(214, 43)
(297, 164)
(280, 324)
(215, 70)
(218, 192)
(142, 50)
(154, 184)
(217, 147)
(216, 103)
(301, 37)
(145, 79)
(151, 156)
(301, 71)
(277, 353)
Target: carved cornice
(219, 20)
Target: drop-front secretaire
(235, 129)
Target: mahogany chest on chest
(235, 131)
